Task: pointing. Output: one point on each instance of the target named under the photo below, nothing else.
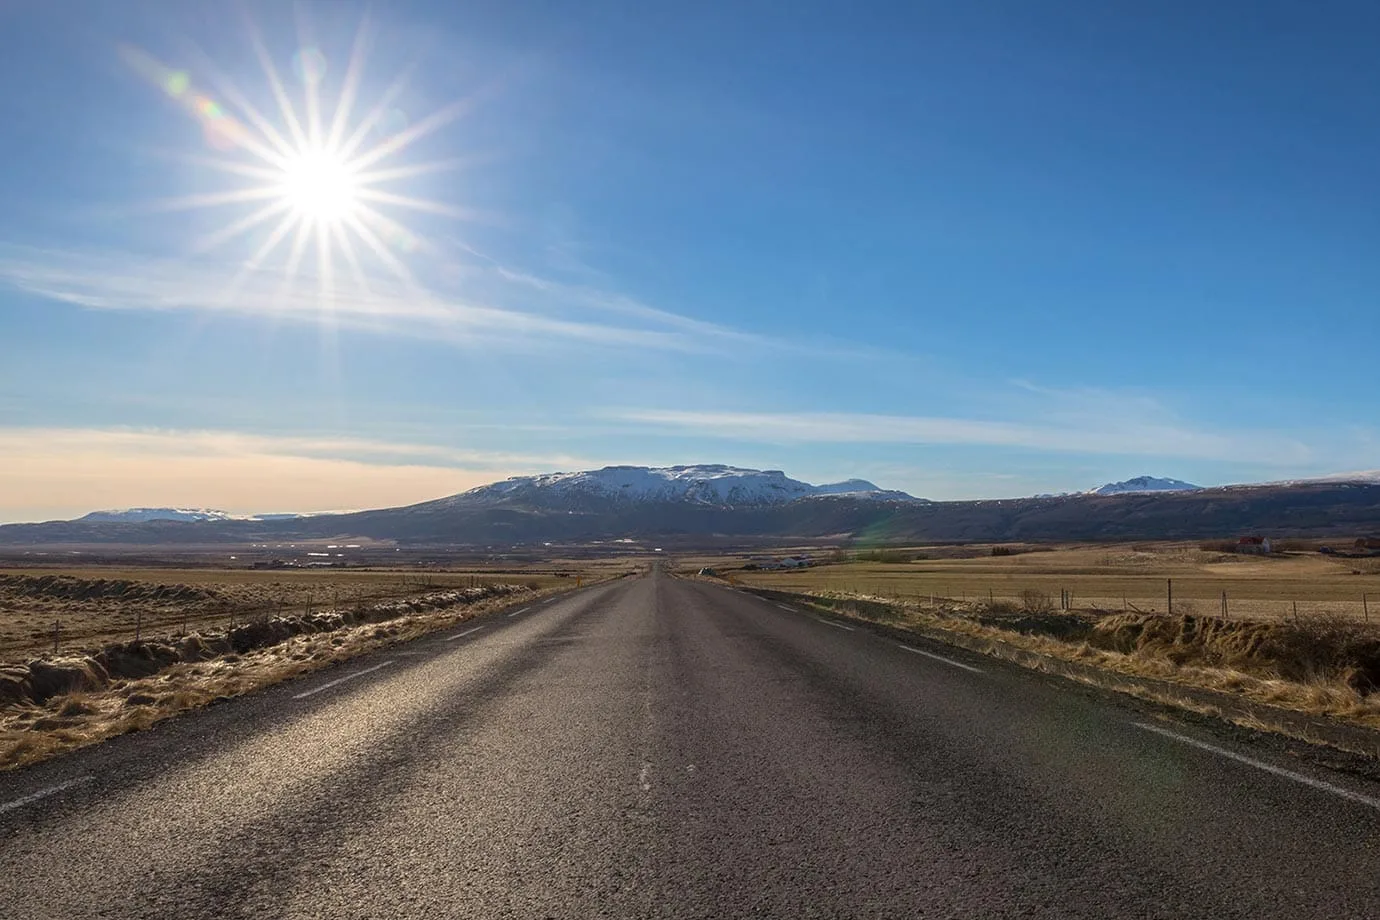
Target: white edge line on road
(784, 607)
(957, 664)
(341, 680)
(1261, 765)
(44, 793)
(516, 612)
(832, 623)
(461, 635)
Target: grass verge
(34, 731)
(1275, 677)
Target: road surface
(658, 747)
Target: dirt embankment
(42, 679)
(48, 706)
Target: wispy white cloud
(599, 299)
(123, 281)
(1146, 431)
(63, 472)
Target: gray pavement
(665, 748)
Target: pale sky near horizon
(966, 250)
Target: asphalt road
(666, 748)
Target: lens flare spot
(392, 122)
(310, 65)
(177, 83)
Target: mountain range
(717, 503)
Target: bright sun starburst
(317, 186)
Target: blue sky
(968, 250)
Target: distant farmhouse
(1258, 546)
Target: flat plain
(1099, 577)
(80, 606)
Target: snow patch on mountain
(710, 484)
(1367, 477)
(189, 515)
(142, 515)
(1144, 484)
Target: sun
(316, 185)
(320, 186)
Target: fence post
(1365, 607)
(1169, 602)
(1225, 614)
(138, 624)
(57, 628)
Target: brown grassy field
(93, 605)
(1106, 577)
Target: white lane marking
(341, 680)
(461, 635)
(1261, 765)
(832, 623)
(516, 612)
(44, 793)
(784, 607)
(643, 777)
(957, 664)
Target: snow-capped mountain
(703, 484)
(1144, 484)
(141, 515)
(144, 515)
(710, 505)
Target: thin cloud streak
(181, 442)
(126, 282)
(65, 472)
(1123, 436)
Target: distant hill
(716, 503)
(702, 484)
(141, 515)
(1144, 484)
(144, 515)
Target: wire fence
(1076, 597)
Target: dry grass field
(1104, 577)
(93, 605)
